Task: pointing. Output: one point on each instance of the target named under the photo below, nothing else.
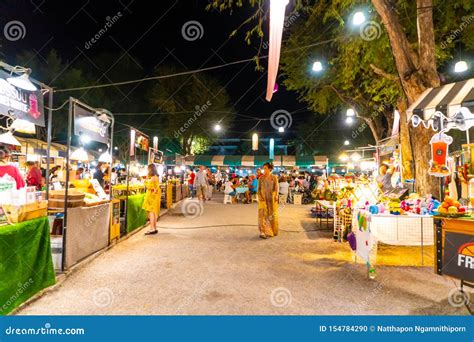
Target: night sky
(150, 34)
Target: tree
(193, 105)
(392, 70)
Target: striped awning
(447, 99)
(255, 161)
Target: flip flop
(152, 232)
(263, 236)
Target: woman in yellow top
(268, 202)
(152, 200)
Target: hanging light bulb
(23, 126)
(350, 112)
(255, 142)
(317, 66)
(460, 66)
(281, 129)
(358, 18)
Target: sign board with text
(458, 258)
(21, 104)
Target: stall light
(85, 139)
(346, 142)
(355, 157)
(281, 129)
(100, 150)
(115, 148)
(80, 155)
(317, 66)
(333, 170)
(105, 157)
(8, 139)
(358, 18)
(343, 170)
(177, 169)
(93, 163)
(183, 167)
(313, 170)
(155, 143)
(344, 157)
(22, 81)
(217, 128)
(349, 120)
(350, 167)
(23, 126)
(460, 66)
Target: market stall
(451, 106)
(80, 208)
(26, 265)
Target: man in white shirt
(200, 183)
(229, 188)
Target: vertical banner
(271, 149)
(132, 142)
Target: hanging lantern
(255, 142)
(272, 149)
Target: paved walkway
(215, 264)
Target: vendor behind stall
(34, 177)
(7, 169)
(99, 174)
(384, 179)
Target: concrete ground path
(215, 264)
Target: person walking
(152, 201)
(268, 203)
(191, 178)
(200, 183)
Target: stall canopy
(252, 161)
(447, 99)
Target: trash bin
(297, 199)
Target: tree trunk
(416, 74)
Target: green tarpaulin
(233, 160)
(136, 216)
(203, 160)
(26, 264)
(305, 161)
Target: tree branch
(383, 73)
(402, 51)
